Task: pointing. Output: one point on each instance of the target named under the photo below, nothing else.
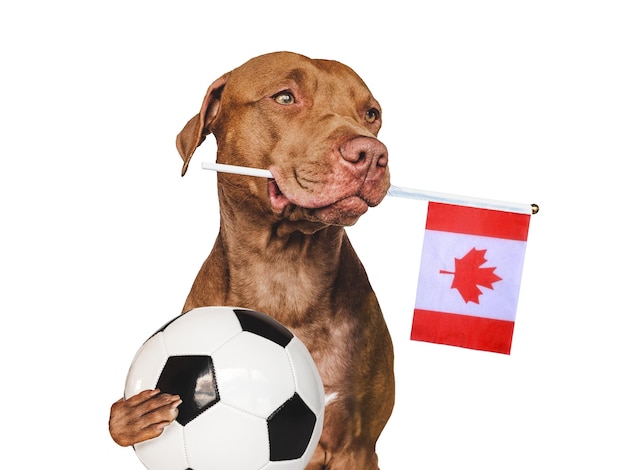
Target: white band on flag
(396, 191)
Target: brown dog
(282, 248)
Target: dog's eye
(372, 115)
(284, 97)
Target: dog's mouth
(278, 200)
(344, 210)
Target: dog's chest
(286, 289)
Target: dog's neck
(281, 266)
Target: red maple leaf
(469, 275)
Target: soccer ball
(251, 395)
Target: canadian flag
(470, 276)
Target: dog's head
(312, 123)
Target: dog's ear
(199, 126)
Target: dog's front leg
(142, 416)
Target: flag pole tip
(535, 208)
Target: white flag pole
(239, 170)
(396, 191)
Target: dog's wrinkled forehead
(270, 73)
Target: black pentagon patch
(290, 429)
(193, 378)
(264, 325)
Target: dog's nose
(365, 152)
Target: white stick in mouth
(396, 191)
(238, 170)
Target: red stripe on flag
(464, 331)
(475, 221)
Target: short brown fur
(282, 248)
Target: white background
(101, 237)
